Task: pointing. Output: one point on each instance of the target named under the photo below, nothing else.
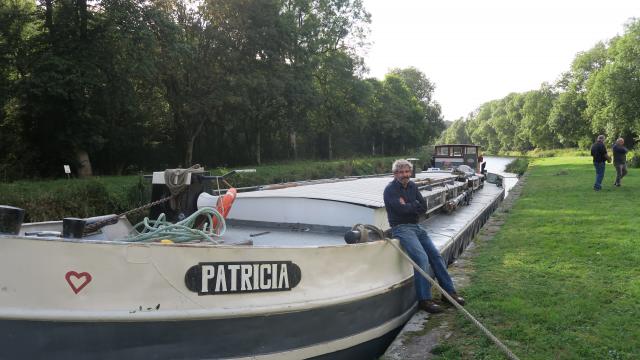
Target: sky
(476, 51)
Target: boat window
(443, 150)
(471, 150)
(457, 151)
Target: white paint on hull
(34, 287)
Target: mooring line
(486, 331)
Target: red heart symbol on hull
(77, 281)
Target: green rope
(155, 230)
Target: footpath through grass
(561, 279)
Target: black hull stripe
(369, 350)
(195, 339)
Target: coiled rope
(186, 230)
(176, 181)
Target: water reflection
(497, 165)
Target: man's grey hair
(600, 138)
(399, 164)
(620, 141)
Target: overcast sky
(479, 50)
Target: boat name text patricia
(217, 278)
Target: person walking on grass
(599, 154)
(619, 160)
(404, 205)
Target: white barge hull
(66, 299)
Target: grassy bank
(560, 280)
(55, 199)
(633, 157)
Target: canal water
(497, 165)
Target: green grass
(633, 157)
(560, 280)
(538, 153)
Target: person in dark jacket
(482, 164)
(619, 160)
(599, 154)
(404, 205)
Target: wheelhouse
(448, 156)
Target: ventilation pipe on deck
(10, 220)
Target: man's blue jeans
(420, 248)
(599, 175)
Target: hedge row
(56, 199)
(518, 166)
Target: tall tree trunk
(84, 164)
(294, 144)
(82, 15)
(119, 168)
(248, 149)
(191, 140)
(330, 143)
(373, 148)
(258, 148)
(188, 154)
(48, 16)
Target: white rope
(160, 229)
(488, 333)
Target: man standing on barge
(404, 205)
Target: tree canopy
(113, 86)
(599, 94)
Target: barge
(280, 283)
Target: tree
(614, 91)
(568, 118)
(456, 133)
(422, 88)
(567, 121)
(56, 98)
(16, 28)
(402, 117)
(189, 70)
(535, 114)
(335, 86)
(481, 130)
(130, 99)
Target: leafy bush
(634, 159)
(55, 200)
(424, 154)
(585, 143)
(518, 166)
